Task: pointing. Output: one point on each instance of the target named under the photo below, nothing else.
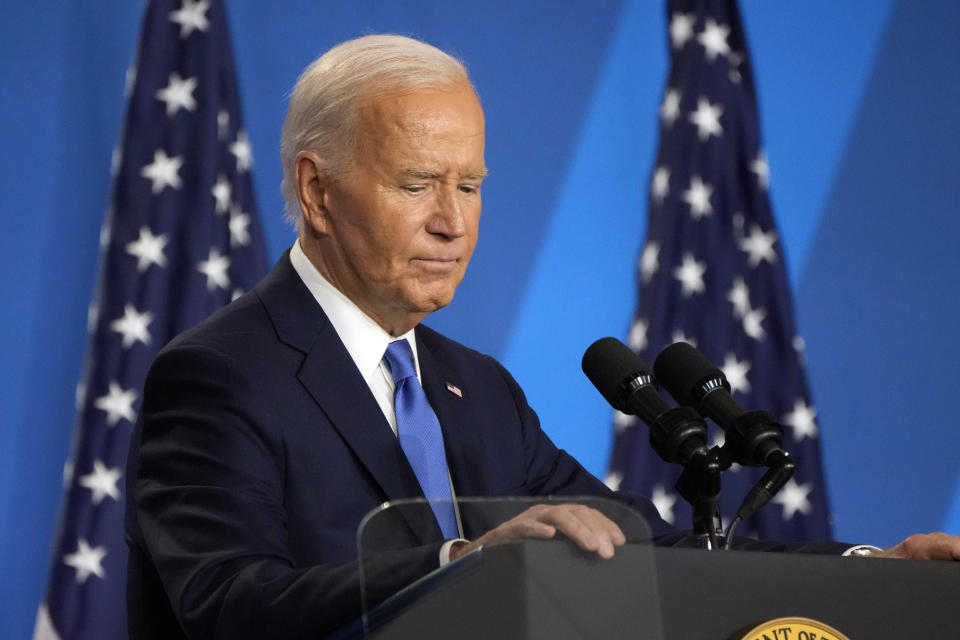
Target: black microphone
(754, 437)
(676, 433)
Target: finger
(522, 527)
(614, 533)
(932, 546)
(570, 524)
(587, 527)
(947, 546)
(606, 532)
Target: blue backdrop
(858, 105)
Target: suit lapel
(330, 376)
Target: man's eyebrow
(424, 174)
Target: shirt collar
(365, 340)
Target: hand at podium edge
(587, 528)
(924, 546)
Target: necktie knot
(399, 358)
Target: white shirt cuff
(445, 550)
(861, 550)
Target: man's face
(403, 220)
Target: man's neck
(396, 324)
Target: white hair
(325, 101)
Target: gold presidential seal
(792, 629)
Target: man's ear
(311, 191)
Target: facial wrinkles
(389, 239)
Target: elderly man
(270, 430)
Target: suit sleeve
(206, 486)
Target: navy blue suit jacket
(260, 448)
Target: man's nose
(448, 217)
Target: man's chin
(433, 301)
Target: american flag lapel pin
(454, 389)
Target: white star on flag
(148, 249)
(736, 373)
(718, 438)
(707, 119)
(649, 260)
(86, 560)
(80, 395)
(130, 81)
(714, 39)
(215, 268)
(660, 185)
(93, 314)
(698, 197)
(178, 94)
(133, 326)
(753, 323)
(759, 246)
(105, 233)
(799, 344)
(118, 403)
(191, 15)
(613, 480)
(761, 168)
(663, 501)
(739, 296)
(803, 420)
(239, 221)
(221, 193)
(680, 336)
(116, 158)
(241, 149)
(622, 421)
(793, 498)
(681, 28)
(163, 171)
(638, 335)
(102, 482)
(670, 107)
(734, 59)
(690, 275)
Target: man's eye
(469, 188)
(414, 188)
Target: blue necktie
(420, 437)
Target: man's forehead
(423, 130)
(420, 109)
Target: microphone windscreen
(609, 363)
(681, 369)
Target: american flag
(712, 273)
(181, 239)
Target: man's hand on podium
(588, 528)
(929, 546)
